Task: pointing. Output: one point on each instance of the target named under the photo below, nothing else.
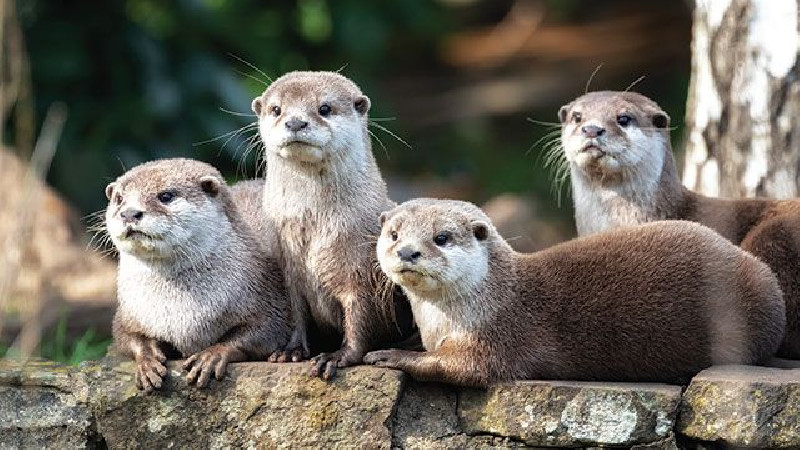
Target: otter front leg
(145, 351)
(150, 368)
(297, 348)
(355, 344)
(444, 365)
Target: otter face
(312, 117)
(166, 209)
(613, 133)
(430, 246)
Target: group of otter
(315, 259)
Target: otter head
(432, 246)
(312, 117)
(166, 209)
(608, 135)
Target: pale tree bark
(743, 111)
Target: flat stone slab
(553, 413)
(743, 406)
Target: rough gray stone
(42, 405)
(261, 405)
(257, 405)
(542, 413)
(743, 406)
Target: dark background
(147, 79)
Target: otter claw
(288, 355)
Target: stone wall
(45, 405)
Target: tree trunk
(743, 112)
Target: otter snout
(294, 124)
(409, 254)
(592, 131)
(131, 215)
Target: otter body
(193, 278)
(623, 173)
(323, 194)
(655, 303)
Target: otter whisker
(548, 135)
(591, 77)
(235, 113)
(380, 142)
(252, 66)
(248, 143)
(543, 123)
(630, 86)
(245, 74)
(390, 133)
(228, 135)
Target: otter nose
(296, 124)
(131, 215)
(592, 131)
(408, 254)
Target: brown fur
(323, 196)
(654, 303)
(769, 229)
(229, 299)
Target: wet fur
(211, 282)
(324, 198)
(648, 188)
(655, 303)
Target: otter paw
(324, 365)
(390, 359)
(150, 371)
(214, 360)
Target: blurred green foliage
(58, 347)
(145, 79)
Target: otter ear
(257, 105)
(210, 185)
(384, 217)
(660, 120)
(110, 190)
(480, 229)
(562, 113)
(362, 104)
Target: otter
(194, 279)
(653, 303)
(323, 193)
(623, 173)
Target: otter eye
(166, 197)
(325, 110)
(276, 111)
(393, 235)
(118, 199)
(441, 239)
(576, 117)
(624, 120)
